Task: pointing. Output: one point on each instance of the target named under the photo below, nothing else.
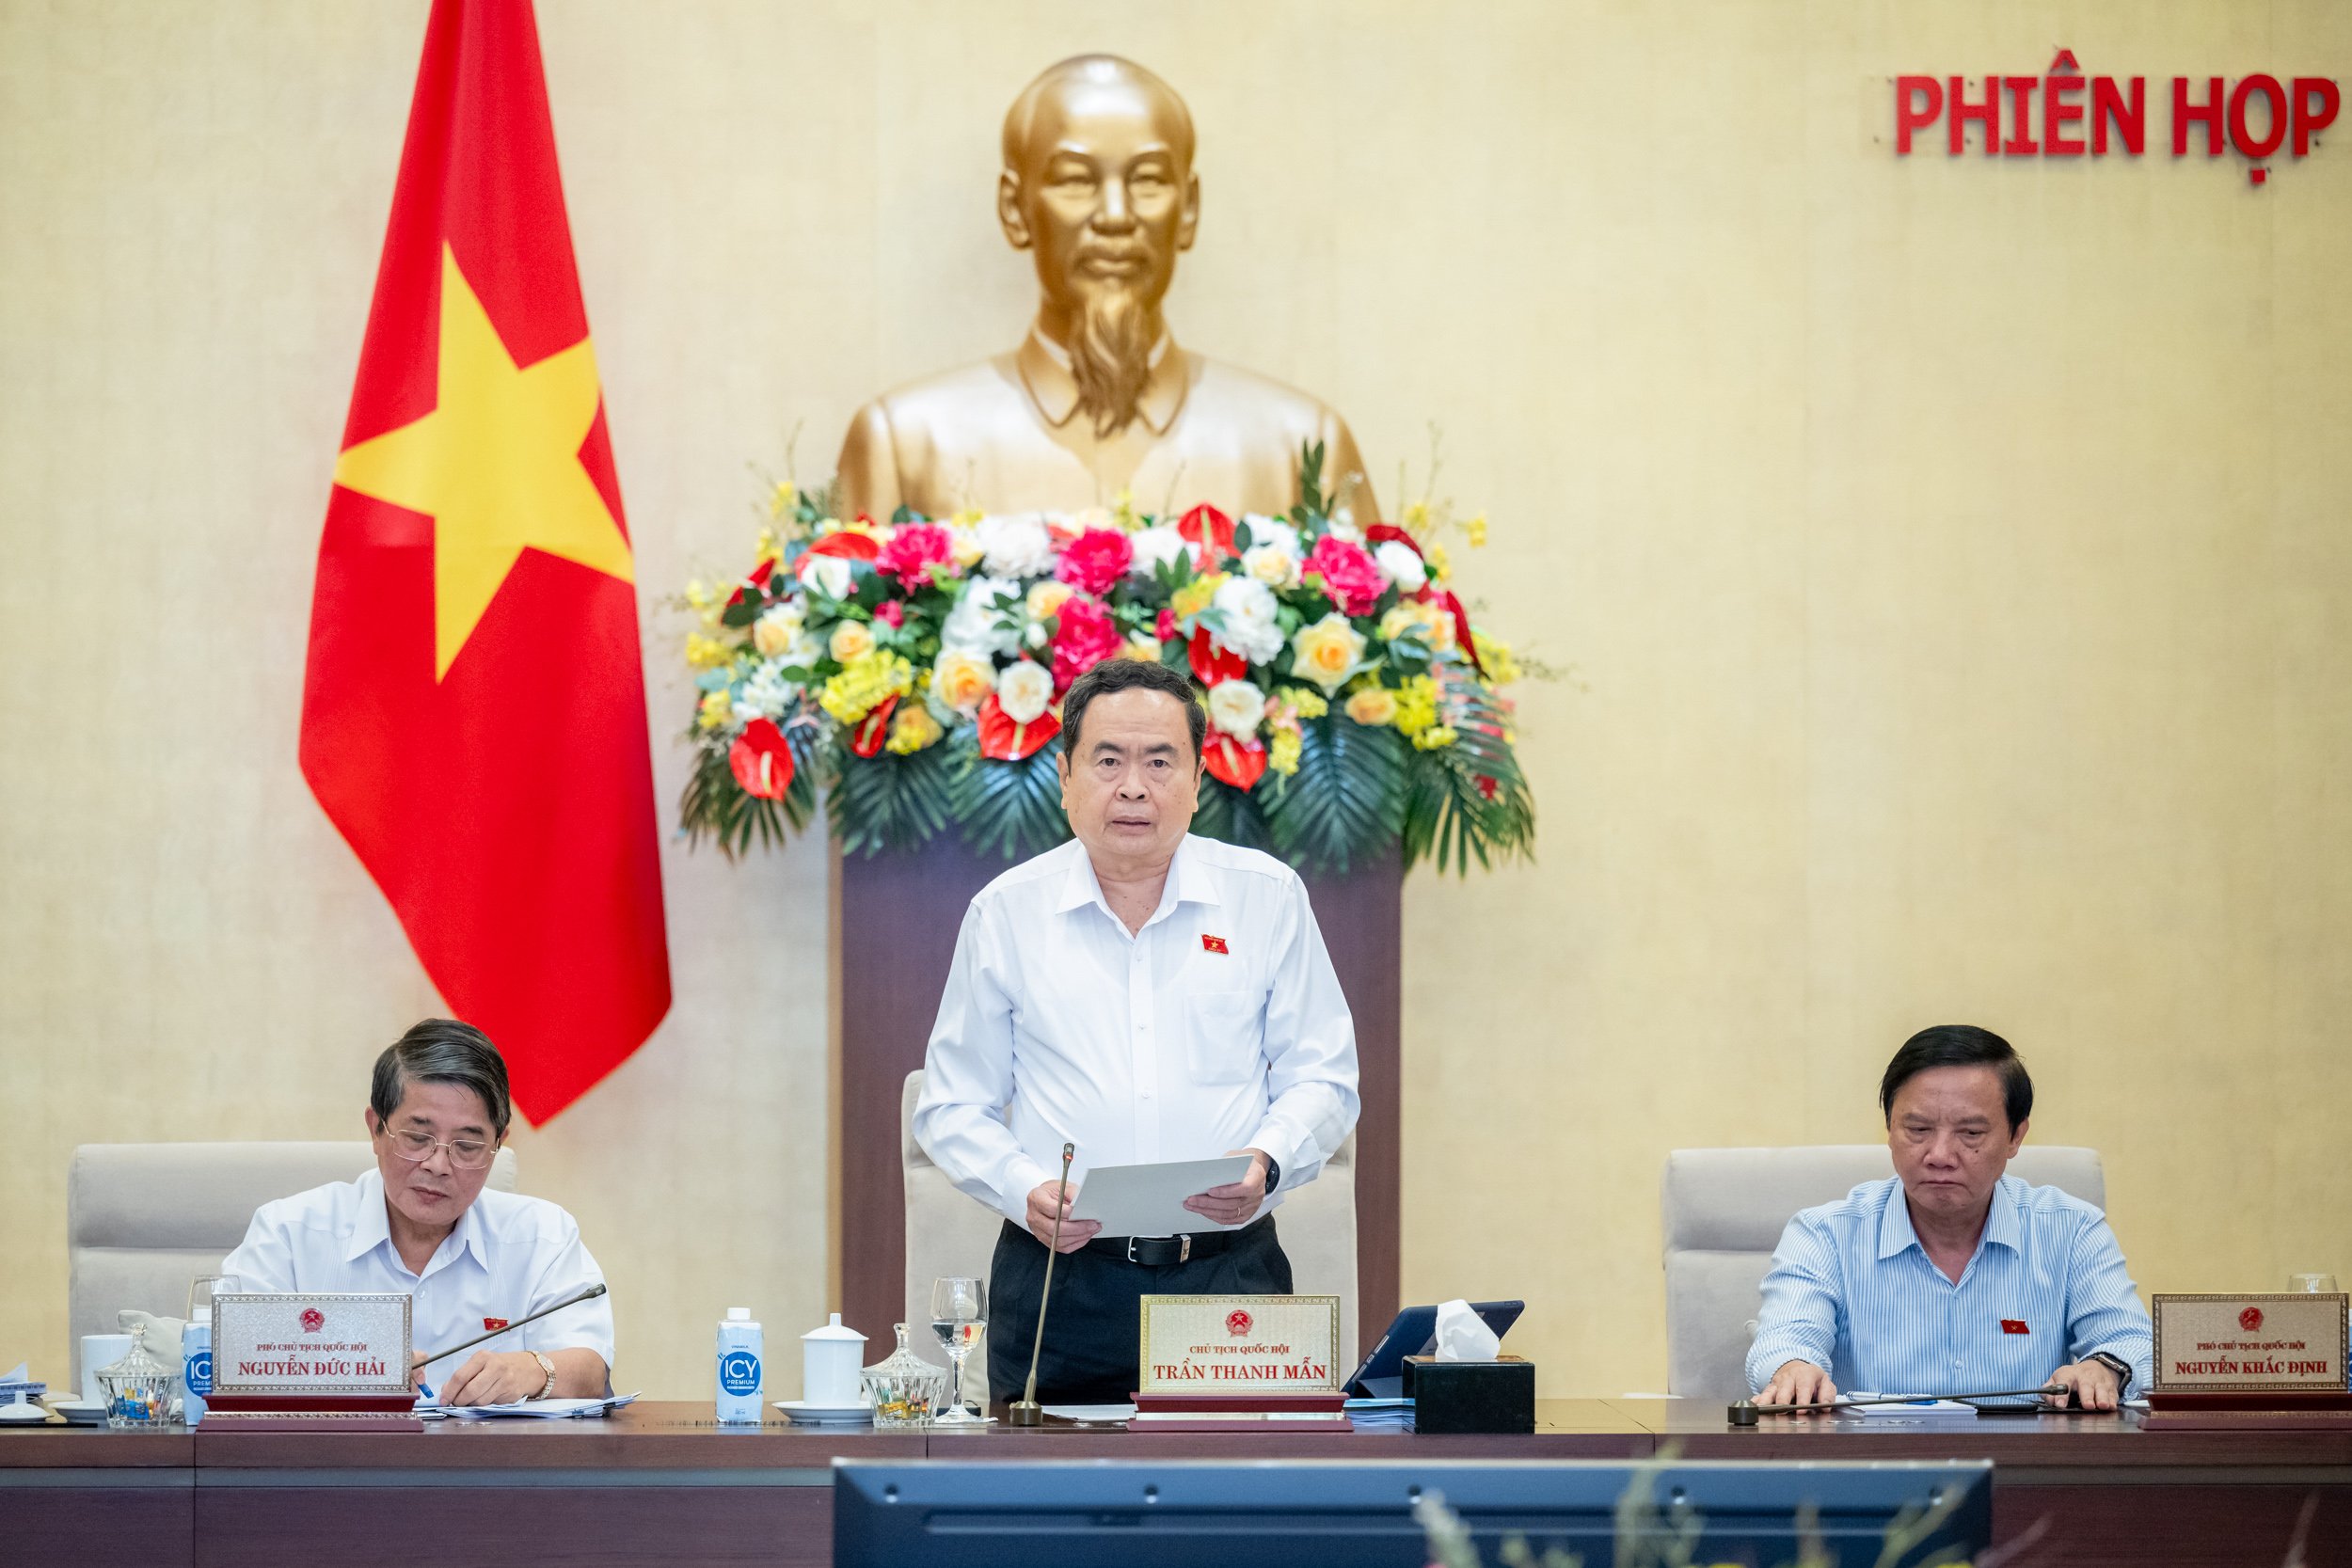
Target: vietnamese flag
(474, 718)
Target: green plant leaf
(1346, 805)
(714, 806)
(1009, 809)
(887, 801)
(1450, 818)
(1235, 816)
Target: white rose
(1248, 610)
(972, 624)
(1272, 530)
(1402, 565)
(1236, 707)
(1271, 565)
(1153, 545)
(1024, 690)
(1016, 545)
(828, 573)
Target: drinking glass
(2314, 1284)
(203, 1289)
(958, 1312)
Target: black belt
(1160, 1251)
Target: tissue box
(1471, 1396)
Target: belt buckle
(1183, 1247)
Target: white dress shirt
(1219, 1026)
(507, 1257)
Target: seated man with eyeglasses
(421, 1224)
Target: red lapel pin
(494, 1324)
(2014, 1325)
(1212, 944)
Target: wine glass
(958, 1312)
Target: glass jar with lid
(139, 1387)
(903, 1388)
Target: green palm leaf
(1009, 809)
(1235, 816)
(716, 807)
(1449, 815)
(1346, 805)
(899, 803)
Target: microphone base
(1025, 1413)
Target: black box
(1471, 1396)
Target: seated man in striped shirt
(1949, 1278)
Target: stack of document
(1380, 1415)
(545, 1410)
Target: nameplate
(1239, 1345)
(2249, 1343)
(310, 1344)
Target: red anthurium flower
(756, 582)
(868, 735)
(761, 760)
(1004, 739)
(1489, 787)
(1239, 763)
(1381, 533)
(1212, 664)
(850, 547)
(1205, 526)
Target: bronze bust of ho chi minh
(1099, 184)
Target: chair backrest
(948, 1233)
(142, 1220)
(1725, 1212)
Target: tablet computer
(1415, 1333)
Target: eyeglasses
(465, 1153)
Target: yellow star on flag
(496, 465)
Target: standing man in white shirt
(1148, 996)
(421, 1224)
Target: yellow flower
(1143, 648)
(1440, 565)
(1476, 529)
(1048, 597)
(1194, 596)
(716, 710)
(1433, 737)
(1123, 515)
(1412, 612)
(1495, 655)
(1417, 708)
(698, 593)
(703, 652)
(1311, 705)
(1327, 651)
(780, 500)
(867, 526)
(1415, 517)
(864, 683)
(1375, 705)
(1281, 752)
(851, 642)
(963, 540)
(961, 679)
(911, 728)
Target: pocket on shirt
(1222, 1036)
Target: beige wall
(1949, 562)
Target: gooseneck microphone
(1025, 1411)
(591, 1294)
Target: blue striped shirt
(1851, 1289)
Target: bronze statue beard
(1110, 356)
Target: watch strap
(548, 1362)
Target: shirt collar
(1188, 883)
(2002, 1227)
(1046, 375)
(373, 1227)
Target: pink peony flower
(1351, 578)
(891, 612)
(1167, 626)
(1096, 560)
(1084, 636)
(913, 551)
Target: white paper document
(1149, 1200)
(545, 1410)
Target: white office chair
(142, 1220)
(1724, 1211)
(948, 1233)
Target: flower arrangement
(912, 672)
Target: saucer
(82, 1413)
(807, 1414)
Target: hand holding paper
(1149, 1200)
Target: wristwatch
(2116, 1364)
(1273, 1173)
(547, 1361)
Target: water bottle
(738, 1367)
(196, 1370)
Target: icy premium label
(739, 1373)
(200, 1371)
